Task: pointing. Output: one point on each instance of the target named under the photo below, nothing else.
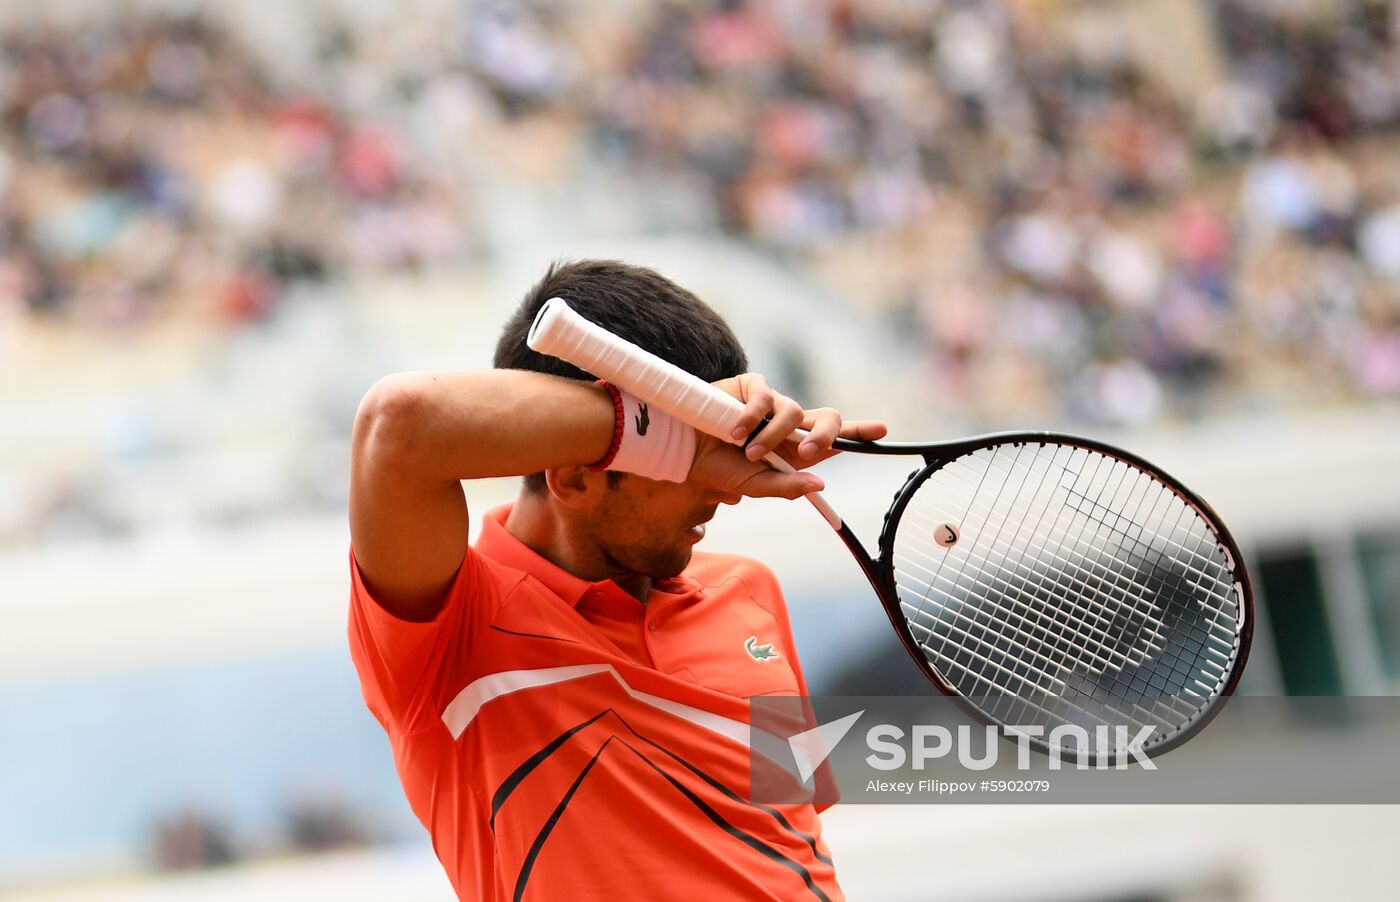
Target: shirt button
(652, 626)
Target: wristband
(647, 441)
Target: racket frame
(879, 570)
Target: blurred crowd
(1041, 220)
(1055, 231)
(152, 166)
(1051, 230)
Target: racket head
(1057, 581)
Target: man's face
(649, 527)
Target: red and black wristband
(619, 424)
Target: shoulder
(710, 569)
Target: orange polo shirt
(561, 740)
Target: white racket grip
(561, 332)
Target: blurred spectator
(323, 822)
(190, 840)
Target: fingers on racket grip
(561, 332)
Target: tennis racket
(1058, 587)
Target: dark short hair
(637, 303)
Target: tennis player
(567, 699)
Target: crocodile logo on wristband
(642, 419)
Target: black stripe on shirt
(549, 825)
(748, 839)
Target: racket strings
(1082, 591)
(1060, 571)
(1065, 573)
(1018, 686)
(1038, 626)
(1094, 628)
(1204, 563)
(1066, 655)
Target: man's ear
(575, 486)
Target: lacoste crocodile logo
(758, 652)
(643, 419)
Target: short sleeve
(403, 664)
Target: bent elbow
(388, 418)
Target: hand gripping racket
(1056, 586)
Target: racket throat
(858, 552)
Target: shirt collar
(496, 542)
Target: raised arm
(417, 435)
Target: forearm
(417, 435)
(456, 425)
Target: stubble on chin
(655, 562)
